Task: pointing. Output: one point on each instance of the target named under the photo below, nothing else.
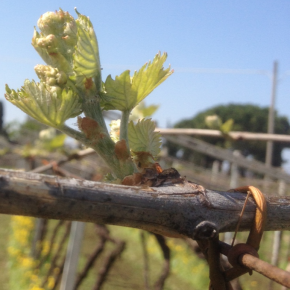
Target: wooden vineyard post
(233, 184)
(214, 172)
(234, 171)
(277, 234)
(72, 256)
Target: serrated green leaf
(149, 111)
(142, 137)
(120, 93)
(49, 105)
(86, 60)
(126, 92)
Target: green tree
(248, 118)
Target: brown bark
(179, 210)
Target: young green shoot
(71, 84)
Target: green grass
(187, 271)
(4, 233)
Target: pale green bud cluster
(59, 23)
(57, 39)
(213, 122)
(51, 76)
(47, 134)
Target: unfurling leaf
(86, 60)
(227, 126)
(142, 137)
(126, 92)
(142, 111)
(57, 141)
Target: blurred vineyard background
(34, 251)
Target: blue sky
(243, 35)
